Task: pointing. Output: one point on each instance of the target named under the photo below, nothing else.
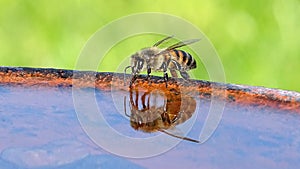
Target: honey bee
(154, 58)
(176, 109)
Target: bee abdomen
(184, 58)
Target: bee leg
(164, 67)
(148, 71)
(173, 73)
(166, 78)
(148, 74)
(184, 75)
(125, 74)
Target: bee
(156, 59)
(176, 109)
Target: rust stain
(235, 94)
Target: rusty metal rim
(239, 94)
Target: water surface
(39, 128)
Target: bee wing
(182, 43)
(163, 40)
(175, 132)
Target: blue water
(39, 129)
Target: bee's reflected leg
(184, 75)
(125, 107)
(177, 117)
(132, 80)
(144, 100)
(165, 118)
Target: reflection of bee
(154, 58)
(175, 110)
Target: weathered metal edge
(239, 94)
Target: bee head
(138, 62)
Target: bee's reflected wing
(163, 40)
(182, 43)
(175, 132)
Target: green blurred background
(257, 41)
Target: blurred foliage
(257, 41)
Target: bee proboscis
(157, 59)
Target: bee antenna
(183, 43)
(161, 41)
(180, 137)
(125, 73)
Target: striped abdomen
(182, 60)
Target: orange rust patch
(238, 94)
